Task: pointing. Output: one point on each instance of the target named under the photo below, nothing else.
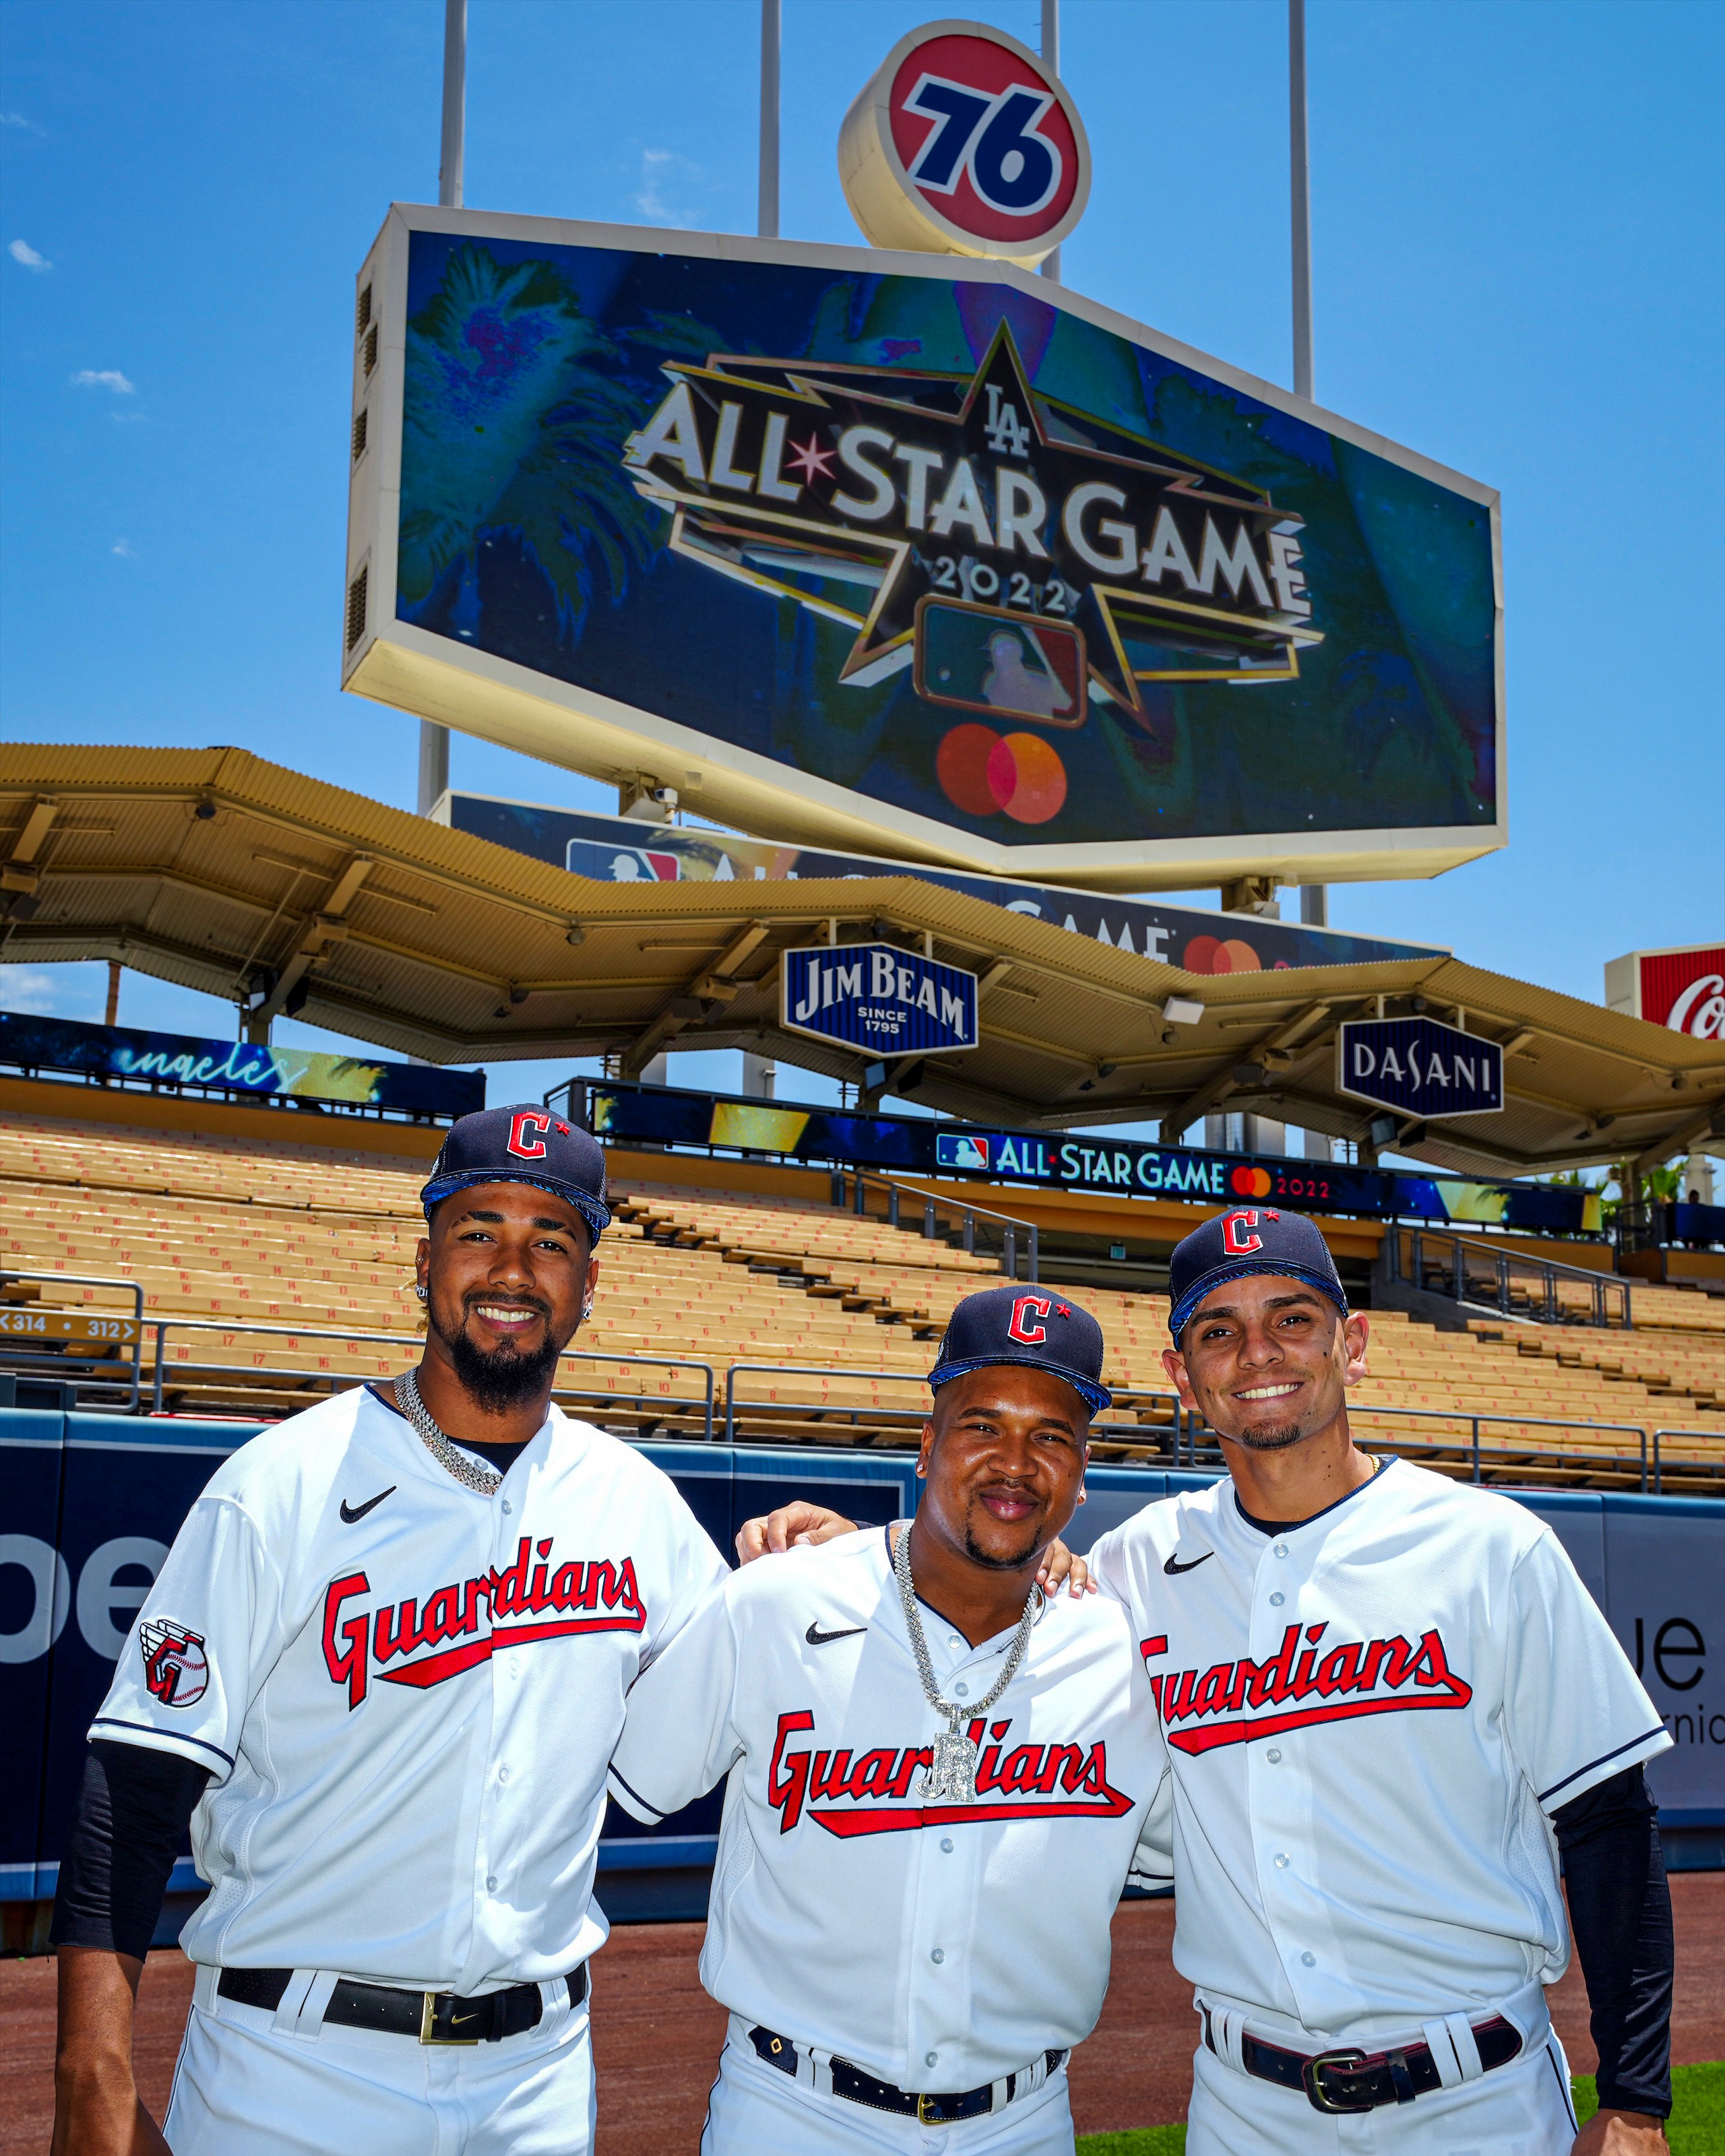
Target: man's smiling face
(510, 1272)
(1004, 1454)
(1266, 1360)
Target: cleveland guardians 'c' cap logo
(1237, 1239)
(963, 143)
(526, 1133)
(1026, 1322)
(175, 1668)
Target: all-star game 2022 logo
(1026, 558)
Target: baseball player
(938, 1782)
(1388, 1703)
(381, 1674)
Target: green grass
(1697, 2127)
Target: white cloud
(125, 549)
(663, 174)
(17, 119)
(21, 250)
(103, 377)
(22, 989)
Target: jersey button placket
(1279, 1781)
(946, 1885)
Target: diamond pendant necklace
(950, 1777)
(471, 1474)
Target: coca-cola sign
(1682, 988)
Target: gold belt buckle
(429, 2033)
(1318, 2096)
(928, 2118)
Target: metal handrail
(1133, 1430)
(163, 1325)
(1658, 1483)
(93, 1280)
(1503, 1262)
(1474, 1418)
(1010, 1223)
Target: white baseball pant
(1521, 2109)
(253, 2083)
(754, 2110)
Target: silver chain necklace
(472, 1474)
(950, 1777)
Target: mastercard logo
(1249, 1183)
(981, 772)
(1209, 954)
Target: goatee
(1270, 1440)
(501, 1380)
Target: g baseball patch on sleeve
(174, 1668)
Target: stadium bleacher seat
(314, 1240)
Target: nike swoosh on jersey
(353, 1512)
(1172, 1565)
(817, 1638)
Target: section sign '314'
(1020, 554)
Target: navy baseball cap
(523, 1145)
(1247, 1239)
(1034, 1327)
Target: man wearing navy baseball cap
(422, 1604)
(1388, 1702)
(938, 1780)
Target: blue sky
(1520, 270)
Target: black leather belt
(856, 2086)
(433, 2017)
(1363, 2081)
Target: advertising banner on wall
(1683, 988)
(913, 555)
(1419, 1067)
(1122, 1168)
(880, 1000)
(229, 1066)
(619, 849)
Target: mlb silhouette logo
(174, 1668)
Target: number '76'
(1012, 167)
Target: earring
(424, 1293)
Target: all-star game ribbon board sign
(918, 555)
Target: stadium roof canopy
(223, 872)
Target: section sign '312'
(1022, 554)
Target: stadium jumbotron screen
(912, 553)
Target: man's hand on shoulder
(792, 1527)
(1622, 2133)
(1061, 1568)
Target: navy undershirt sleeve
(132, 1820)
(1620, 1914)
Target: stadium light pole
(434, 740)
(772, 30)
(1051, 58)
(760, 1073)
(1314, 897)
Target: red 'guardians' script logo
(1366, 1676)
(1033, 1781)
(608, 1592)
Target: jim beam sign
(880, 1000)
(1021, 555)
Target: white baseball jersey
(1368, 1718)
(937, 1948)
(407, 1691)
